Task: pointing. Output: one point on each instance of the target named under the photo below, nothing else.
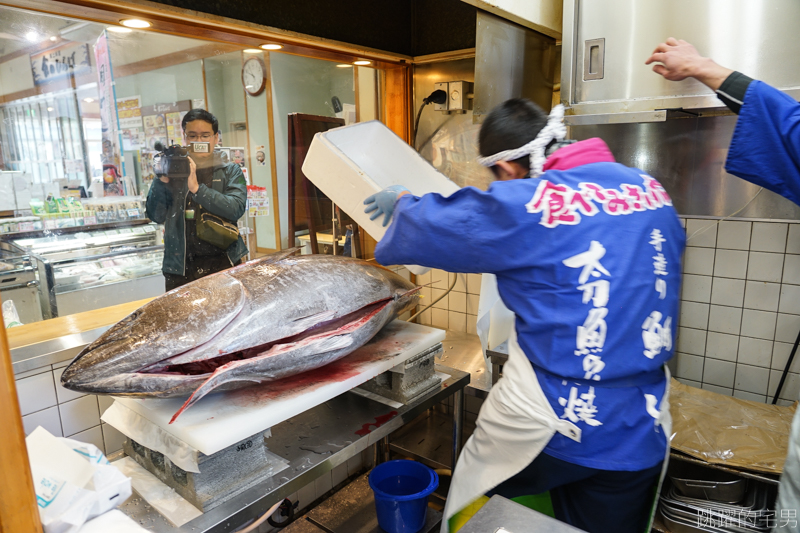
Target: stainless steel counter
(313, 443)
(463, 351)
(501, 515)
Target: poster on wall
(261, 156)
(162, 123)
(257, 201)
(129, 112)
(238, 155)
(61, 62)
(113, 165)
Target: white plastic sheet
(115, 521)
(163, 498)
(136, 427)
(74, 481)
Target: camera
(173, 161)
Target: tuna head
(261, 321)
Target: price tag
(26, 226)
(138, 231)
(133, 213)
(124, 231)
(149, 229)
(111, 232)
(49, 224)
(88, 221)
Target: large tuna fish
(261, 321)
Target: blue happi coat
(765, 148)
(588, 257)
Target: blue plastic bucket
(401, 494)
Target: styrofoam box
(350, 163)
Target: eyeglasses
(193, 137)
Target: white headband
(555, 129)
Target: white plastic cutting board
(353, 162)
(225, 418)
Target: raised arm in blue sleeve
(469, 231)
(765, 148)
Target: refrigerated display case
(83, 270)
(18, 283)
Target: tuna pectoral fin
(226, 373)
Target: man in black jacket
(213, 186)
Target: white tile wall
(740, 308)
(64, 413)
(459, 309)
(79, 415)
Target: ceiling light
(119, 29)
(54, 38)
(32, 36)
(271, 46)
(252, 51)
(342, 65)
(88, 100)
(362, 62)
(135, 23)
(50, 109)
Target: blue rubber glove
(382, 203)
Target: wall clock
(254, 76)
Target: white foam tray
(350, 163)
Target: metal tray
(732, 524)
(677, 524)
(706, 483)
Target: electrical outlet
(443, 86)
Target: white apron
(514, 425)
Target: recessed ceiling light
(362, 62)
(252, 51)
(88, 100)
(54, 38)
(32, 36)
(271, 46)
(342, 65)
(135, 23)
(119, 29)
(49, 108)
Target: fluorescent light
(135, 23)
(32, 36)
(271, 46)
(88, 100)
(252, 51)
(119, 29)
(362, 62)
(342, 65)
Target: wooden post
(397, 113)
(18, 509)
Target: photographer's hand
(192, 183)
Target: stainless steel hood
(510, 62)
(606, 43)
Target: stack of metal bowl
(700, 499)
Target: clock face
(254, 76)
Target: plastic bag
(74, 481)
(10, 315)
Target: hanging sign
(113, 166)
(60, 63)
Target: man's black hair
(200, 114)
(512, 124)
